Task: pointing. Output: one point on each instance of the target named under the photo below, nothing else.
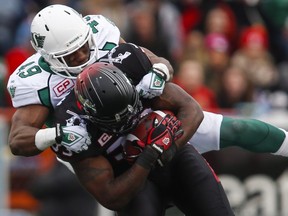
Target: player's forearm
(125, 187)
(97, 176)
(25, 124)
(188, 111)
(22, 141)
(190, 117)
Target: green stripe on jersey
(44, 95)
(44, 65)
(108, 46)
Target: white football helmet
(58, 31)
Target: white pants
(207, 136)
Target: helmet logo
(12, 91)
(117, 118)
(87, 104)
(72, 41)
(38, 40)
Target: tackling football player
(108, 105)
(47, 77)
(65, 43)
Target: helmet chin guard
(58, 31)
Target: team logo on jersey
(119, 58)
(63, 87)
(38, 40)
(12, 90)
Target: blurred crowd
(227, 54)
(230, 55)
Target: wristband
(148, 157)
(44, 138)
(162, 69)
(168, 155)
(59, 133)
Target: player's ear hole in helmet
(108, 98)
(59, 34)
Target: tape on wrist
(148, 157)
(44, 138)
(163, 69)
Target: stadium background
(181, 31)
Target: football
(135, 140)
(146, 123)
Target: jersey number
(30, 71)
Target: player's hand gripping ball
(156, 129)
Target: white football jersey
(33, 82)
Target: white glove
(153, 83)
(75, 138)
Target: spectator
(191, 78)
(254, 57)
(115, 10)
(218, 18)
(212, 51)
(221, 19)
(218, 58)
(167, 22)
(144, 30)
(235, 88)
(11, 12)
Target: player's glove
(160, 145)
(153, 83)
(74, 138)
(161, 136)
(132, 149)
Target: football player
(44, 79)
(108, 105)
(65, 43)
(216, 131)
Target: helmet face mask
(108, 98)
(123, 122)
(57, 32)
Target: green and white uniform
(217, 131)
(34, 83)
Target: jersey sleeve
(105, 33)
(34, 83)
(26, 82)
(130, 59)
